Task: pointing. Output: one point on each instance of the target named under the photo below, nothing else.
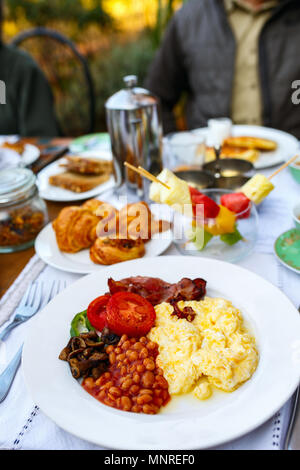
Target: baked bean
(107, 385)
(136, 409)
(89, 382)
(125, 345)
(114, 391)
(126, 384)
(150, 409)
(126, 403)
(109, 349)
(136, 378)
(147, 379)
(143, 353)
(118, 350)
(112, 357)
(111, 397)
(161, 381)
(132, 355)
(140, 368)
(134, 389)
(142, 399)
(102, 395)
(143, 339)
(151, 345)
(121, 357)
(131, 369)
(149, 363)
(138, 346)
(123, 338)
(148, 391)
(158, 401)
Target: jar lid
(16, 184)
(130, 98)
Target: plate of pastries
(86, 237)
(25, 153)
(77, 177)
(264, 147)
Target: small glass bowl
(216, 248)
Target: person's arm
(36, 117)
(167, 77)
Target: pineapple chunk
(178, 194)
(257, 188)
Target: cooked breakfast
(147, 340)
(112, 236)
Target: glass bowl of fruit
(220, 224)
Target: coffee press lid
(131, 97)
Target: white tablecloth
(23, 424)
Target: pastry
(110, 251)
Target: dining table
(25, 425)
(13, 263)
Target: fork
(8, 375)
(28, 306)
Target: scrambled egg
(214, 350)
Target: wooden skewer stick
(283, 166)
(146, 174)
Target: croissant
(75, 229)
(92, 205)
(137, 222)
(111, 251)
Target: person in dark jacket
(28, 108)
(231, 58)
(26, 102)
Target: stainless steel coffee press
(134, 124)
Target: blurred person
(232, 58)
(28, 110)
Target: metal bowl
(198, 178)
(229, 167)
(230, 182)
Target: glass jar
(22, 212)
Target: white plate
(31, 154)
(53, 193)
(185, 423)
(287, 145)
(47, 249)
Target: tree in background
(77, 13)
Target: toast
(87, 166)
(76, 182)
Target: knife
(291, 439)
(42, 162)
